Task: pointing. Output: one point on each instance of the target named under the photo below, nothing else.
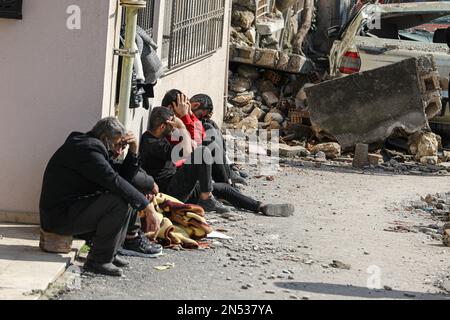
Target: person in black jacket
(85, 192)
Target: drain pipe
(128, 53)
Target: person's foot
(107, 269)
(119, 262)
(213, 205)
(277, 210)
(140, 246)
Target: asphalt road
(341, 215)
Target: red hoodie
(195, 128)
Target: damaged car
(384, 34)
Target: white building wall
(52, 82)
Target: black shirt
(156, 155)
(82, 168)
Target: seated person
(203, 108)
(220, 170)
(83, 192)
(192, 182)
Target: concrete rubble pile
(355, 119)
(261, 38)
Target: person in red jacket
(194, 126)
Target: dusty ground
(340, 215)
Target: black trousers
(224, 191)
(105, 218)
(196, 171)
(220, 170)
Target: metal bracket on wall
(126, 52)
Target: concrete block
(266, 58)
(268, 26)
(291, 152)
(270, 98)
(242, 54)
(375, 159)
(366, 107)
(361, 158)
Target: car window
(421, 28)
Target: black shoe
(278, 210)
(212, 205)
(107, 269)
(140, 247)
(119, 262)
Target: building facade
(58, 74)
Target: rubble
(366, 107)
(361, 158)
(331, 149)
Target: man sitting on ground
(221, 171)
(192, 182)
(83, 192)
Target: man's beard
(167, 132)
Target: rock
(274, 115)
(331, 149)
(429, 160)
(387, 288)
(270, 291)
(321, 156)
(361, 158)
(291, 152)
(266, 57)
(251, 35)
(270, 42)
(446, 237)
(248, 72)
(446, 285)
(340, 265)
(242, 19)
(250, 122)
(243, 99)
(375, 159)
(248, 108)
(234, 115)
(240, 85)
(423, 144)
(270, 98)
(258, 113)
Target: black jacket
(82, 168)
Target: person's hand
(190, 112)
(181, 108)
(131, 140)
(155, 189)
(153, 220)
(176, 123)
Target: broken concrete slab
(361, 158)
(293, 151)
(332, 150)
(366, 107)
(270, 59)
(269, 25)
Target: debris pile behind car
(378, 118)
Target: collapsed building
(273, 86)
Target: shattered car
(383, 34)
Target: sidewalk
(25, 270)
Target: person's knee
(118, 205)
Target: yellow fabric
(180, 224)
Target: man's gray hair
(110, 127)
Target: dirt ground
(340, 215)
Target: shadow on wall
(357, 292)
